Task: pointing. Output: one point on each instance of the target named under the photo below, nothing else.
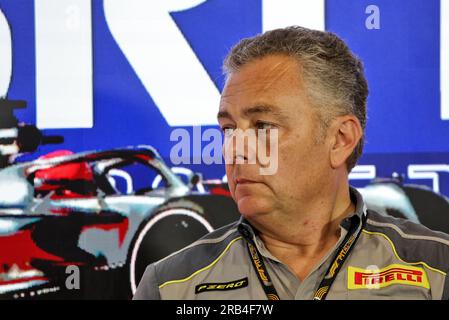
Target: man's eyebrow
(224, 114)
(265, 109)
(257, 109)
(261, 108)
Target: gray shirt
(392, 259)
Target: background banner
(124, 74)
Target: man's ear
(347, 132)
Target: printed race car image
(417, 203)
(108, 213)
(111, 213)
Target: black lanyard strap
(262, 273)
(340, 257)
(323, 289)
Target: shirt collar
(360, 209)
(249, 233)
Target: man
(304, 232)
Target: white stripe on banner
(428, 171)
(5, 55)
(64, 63)
(163, 59)
(363, 172)
(282, 13)
(9, 133)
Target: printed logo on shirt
(222, 286)
(341, 256)
(359, 278)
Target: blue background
(401, 61)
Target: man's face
(269, 93)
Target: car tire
(165, 232)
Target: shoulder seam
(200, 242)
(397, 255)
(407, 236)
(205, 268)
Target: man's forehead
(259, 86)
(263, 73)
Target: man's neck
(303, 240)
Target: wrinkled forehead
(265, 73)
(270, 80)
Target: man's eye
(264, 125)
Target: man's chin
(251, 207)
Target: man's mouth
(244, 181)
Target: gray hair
(334, 76)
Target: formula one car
(417, 203)
(108, 213)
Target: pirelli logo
(222, 286)
(393, 274)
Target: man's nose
(240, 147)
